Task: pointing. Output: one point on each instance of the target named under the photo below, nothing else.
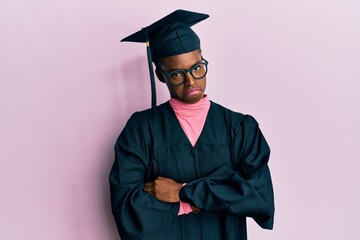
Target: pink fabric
(185, 208)
(192, 119)
(191, 116)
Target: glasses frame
(185, 71)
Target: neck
(197, 108)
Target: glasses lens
(199, 70)
(177, 77)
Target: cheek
(203, 84)
(179, 91)
(174, 90)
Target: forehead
(181, 61)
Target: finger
(148, 189)
(149, 183)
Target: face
(192, 90)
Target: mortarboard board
(167, 37)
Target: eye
(176, 75)
(196, 68)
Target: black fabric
(227, 176)
(171, 35)
(175, 38)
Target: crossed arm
(166, 190)
(244, 191)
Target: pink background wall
(67, 87)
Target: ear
(159, 75)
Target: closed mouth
(193, 90)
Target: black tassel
(151, 71)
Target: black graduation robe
(226, 173)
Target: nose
(190, 80)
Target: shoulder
(144, 117)
(140, 124)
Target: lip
(192, 91)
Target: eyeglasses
(178, 77)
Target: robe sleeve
(245, 190)
(137, 214)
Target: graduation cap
(169, 36)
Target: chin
(192, 100)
